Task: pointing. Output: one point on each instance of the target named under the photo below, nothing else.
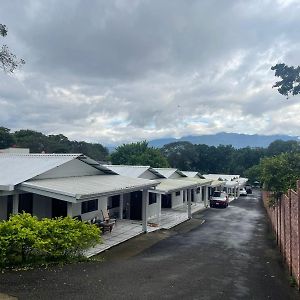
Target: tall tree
(8, 60)
(138, 154)
(6, 138)
(290, 79)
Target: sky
(121, 71)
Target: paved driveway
(229, 256)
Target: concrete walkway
(230, 256)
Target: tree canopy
(290, 79)
(38, 142)
(8, 61)
(138, 154)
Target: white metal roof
(197, 180)
(216, 183)
(172, 185)
(222, 176)
(192, 174)
(16, 168)
(167, 172)
(132, 171)
(85, 187)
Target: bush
(24, 239)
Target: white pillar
(121, 206)
(69, 209)
(206, 195)
(145, 200)
(15, 208)
(189, 203)
(200, 194)
(158, 206)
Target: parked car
(219, 199)
(243, 192)
(248, 189)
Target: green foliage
(279, 146)
(253, 174)
(8, 60)
(138, 154)
(37, 142)
(290, 79)
(6, 139)
(280, 173)
(24, 239)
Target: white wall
(152, 210)
(72, 168)
(102, 205)
(177, 200)
(197, 197)
(3, 208)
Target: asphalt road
(232, 255)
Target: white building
(51, 185)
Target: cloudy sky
(126, 70)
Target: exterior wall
(3, 208)
(152, 211)
(102, 205)
(177, 201)
(197, 197)
(285, 221)
(42, 206)
(74, 167)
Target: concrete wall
(71, 168)
(177, 201)
(102, 205)
(285, 220)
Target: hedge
(24, 239)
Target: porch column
(189, 203)
(69, 209)
(121, 206)
(200, 194)
(158, 206)
(206, 195)
(15, 208)
(145, 200)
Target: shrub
(24, 239)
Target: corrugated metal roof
(172, 185)
(222, 176)
(217, 183)
(88, 186)
(16, 168)
(197, 180)
(132, 171)
(192, 174)
(167, 172)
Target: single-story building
(52, 185)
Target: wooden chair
(106, 217)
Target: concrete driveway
(229, 256)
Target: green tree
(253, 174)
(290, 79)
(138, 154)
(35, 141)
(181, 155)
(280, 173)
(279, 146)
(8, 60)
(6, 138)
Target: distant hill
(235, 139)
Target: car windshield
(216, 194)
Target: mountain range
(235, 139)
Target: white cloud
(113, 72)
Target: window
(152, 198)
(114, 202)
(88, 206)
(198, 190)
(177, 193)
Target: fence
(285, 220)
